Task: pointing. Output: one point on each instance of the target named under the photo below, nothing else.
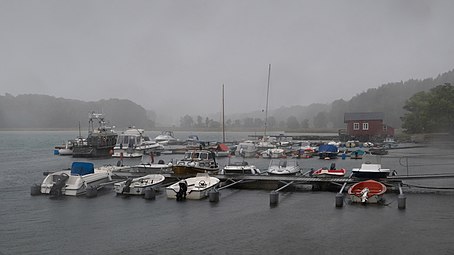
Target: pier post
(213, 196)
(35, 190)
(339, 200)
(401, 201)
(91, 191)
(274, 197)
(149, 194)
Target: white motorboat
(74, 182)
(192, 188)
(241, 167)
(167, 136)
(67, 149)
(273, 153)
(133, 143)
(148, 166)
(246, 149)
(137, 186)
(197, 161)
(283, 167)
(371, 168)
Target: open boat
(369, 191)
(331, 172)
(74, 182)
(137, 186)
(283, 167)
(192, 188)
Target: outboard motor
(126, 188)
(56, 189)
(181, 194)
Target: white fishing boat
(74, 182)
(133, 143)
(241, 168)
(283, 167)
(192, 188)
(137, 186)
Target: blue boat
(328, 151)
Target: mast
(222, 116)
(267, 99)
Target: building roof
(349, 116)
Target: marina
(255, 201)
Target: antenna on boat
(267, 98)
(222, 116)
(80, 135)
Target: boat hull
(197, 187)
(75, 185)
(137, 186)
(369, 191)
(185, 170)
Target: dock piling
(339, 200)
(213, 196)
(35, 190)
(149, 194)
(91, 191)
(401, 199)
(274, 197)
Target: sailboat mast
(223, 126)
(267, 98)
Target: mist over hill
(41, 111)
(388, 98)
(47, 112)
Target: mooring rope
(427, 187)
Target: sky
(172, 57)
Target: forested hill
(388, 98)
(40, 111)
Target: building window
(355, 126)
(385, 128)
(365, 126)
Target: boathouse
(367, 126)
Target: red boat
(369, 191)
(331, 172)
(324, 172)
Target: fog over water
(166, 55)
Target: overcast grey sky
(177, 54)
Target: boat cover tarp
(327, 148)
(223, 147)
(82, 168)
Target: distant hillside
(41, 111)
(388, 98)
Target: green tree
(431, 111)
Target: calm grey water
(241, 223)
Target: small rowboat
(324, 172)
(369, 191)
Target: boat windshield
(371, 159)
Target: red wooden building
(367, 126)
